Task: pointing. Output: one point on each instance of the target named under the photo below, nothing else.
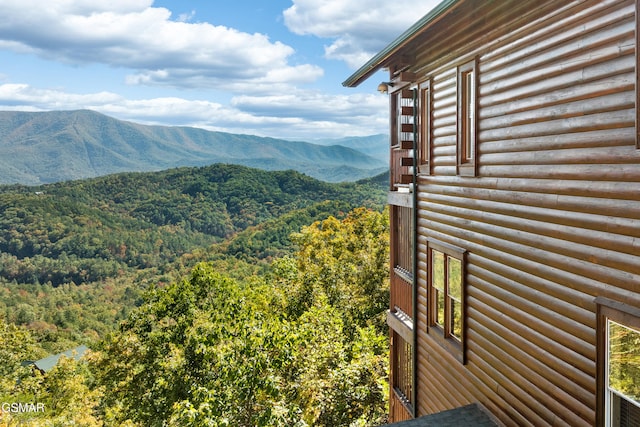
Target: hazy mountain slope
(376, 146)
(64, 145)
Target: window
(446, 296)
(467, 119)
(619, 364)
(424, 150)
(623, 375)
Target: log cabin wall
(551, 219)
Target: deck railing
(402, 389)
(402, 272)
(401, 291)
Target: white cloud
(315, 106)
(299, 114)
(358, 29)
(134, 35)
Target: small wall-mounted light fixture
(384, 87)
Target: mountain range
(45, 147)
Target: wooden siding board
(531, 304)
(435, 400)
(583, 191)
(440, 370)
(574, 54)
(589, 244)
(532, 79)
(495, 106)
(557, 343)
(551, 221)
(491, 94)
(605, 278)
(617, 217)
(529, 413)
(499, 340)
(612, 155)
(483, 21)
(610, 119)
(562, 277)
(567, 25)
(563, 361)
(609, 102)
(561, 405)
(527, 394)
(585, 140)
(570, 303)
(620, 173)
(480, 373)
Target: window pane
(468, 101)
(455, 278)
(426, 126)
(437, 282)
(437, 270)
(624, 361)
(455, 324)
(439, 309)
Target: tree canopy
(301, 343)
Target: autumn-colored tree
(209, 350)
(347, 261)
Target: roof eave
(378, 61)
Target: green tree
(346, 260)
(284, 349)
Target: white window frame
(627, 316)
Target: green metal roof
(375, 63)
(47, 364)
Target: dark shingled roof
(466, 416)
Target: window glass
(467, 119)
(455, 296)
(437, 271)
(624, 361)
(445, 315)
(425, 123)
(468, 115)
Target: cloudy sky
(262, 67)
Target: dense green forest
(220, 295)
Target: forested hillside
(86, 231)
(220, 295)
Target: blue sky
(263, 67)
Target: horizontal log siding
(551, 221)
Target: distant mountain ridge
(45, 147)
(373, 145)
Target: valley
(273, 279)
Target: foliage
(91, 230)
(209, 350)
(347, 261)
(60, 317)
(66, 393)
(16, 346)
(274, 329)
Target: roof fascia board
(376, 62)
